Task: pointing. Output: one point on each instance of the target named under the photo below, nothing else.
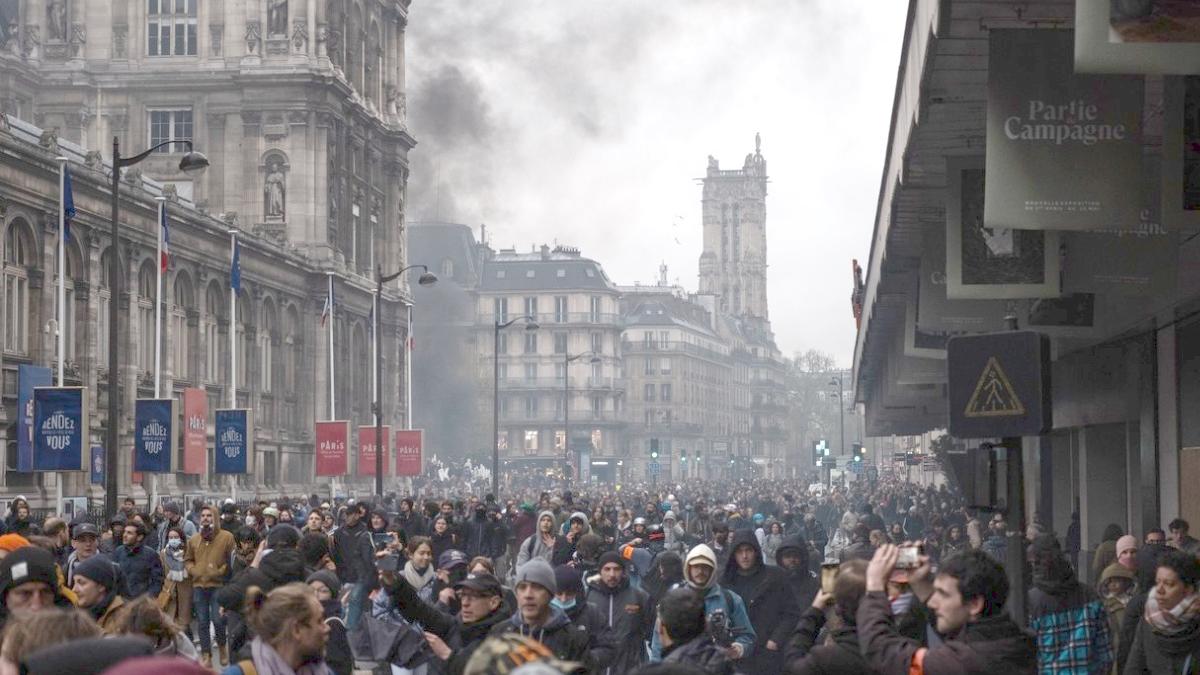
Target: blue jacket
(142, 568)
(739, 620)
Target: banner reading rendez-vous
(1064, 151)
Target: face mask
(564, 606)
(174, 543)
(250, 521)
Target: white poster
(1064, 151)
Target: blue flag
(235, 274)
(68, 204)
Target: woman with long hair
(142, 617)
(771, 541)
(290, 632)
(419, 571)
(443, 538)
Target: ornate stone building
(299, 105)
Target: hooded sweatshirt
(715, 598)
(556, 554)
(567, 640)
(803, 582)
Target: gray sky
(586, 123)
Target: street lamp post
(567, 359)
(191, 163)
(530, 324)
(841, 397)
(427, 279)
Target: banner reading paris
(366, 450)
(195, 431)
(1064, 151)
(408, 452)
(333, 439)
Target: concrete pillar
(1102, 472)
(1167, 381)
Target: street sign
(654, 468)
(899, 456)
(999, 384)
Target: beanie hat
(568, 579)
(328, 578)
(29, 563)
(538, 571)
(611, 557)
(12, 542)
(99, 569)
(1123, 544)
(283, 536)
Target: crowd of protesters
(750, 576)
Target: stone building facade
(299, 105)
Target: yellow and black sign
(999, 384)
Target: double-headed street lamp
(530, 325)
(427, 278)
(192, 163)
(567, 359)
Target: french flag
(166, 241)
(328, 308)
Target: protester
(338, 655)
(140, 565)
(1168, 638)
(699, 572)
(967, 596)
(770, 603)
(98, 584)
(792, 558)
(173, 518)
(354, 555)
(28, 632)
(85, 540)
(1180, 538)
(681, 629)
(176, 596)
(290, 632)
(544, 544)
(842, 654)
(537, 618)
(629, 615)
(142, 617)
(1068, 618)
(29, 582)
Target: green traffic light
(654, 455)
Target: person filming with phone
(967, 596)
(843, 589)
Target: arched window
(447, 269)
(266, 363)
(214, 348)
(244, 339)
(105, 297)
(181, 338)
(147, 293)
(19, 258)
(361, 379)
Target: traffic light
(683, 455)
(653, 448)
(859, 452)
(820, 452)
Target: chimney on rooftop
(545, 252)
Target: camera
(909, 557)
(718, 628)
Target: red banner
(366, 450)
(333, 440)
(195, 431)
(408, 452)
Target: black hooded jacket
(770, 604)
(803, 582)
(462, 638)
(279, 567)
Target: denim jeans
(355, 606)
(204, 602)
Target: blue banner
(97, 465)
(234, 441)
(154, 437)
(28, 379)
(60, 426)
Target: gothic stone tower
(733, 266)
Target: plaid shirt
(1074, 640)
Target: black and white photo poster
(1152, 37)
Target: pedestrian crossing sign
(994, 395)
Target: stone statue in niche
(57, 23)
(10, 14)
(275, 191)
(277, 17)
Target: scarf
(418, 580)
(267, 661)
(1175, 621)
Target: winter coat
(142, 568)
(1154, 652)
(354, 554)
(338, 655)
(441, 542)
(627, 613)
(463, 639)
(803, 581)
(559, 553)
(566, 640)
(770, 604)
(601, 643)
(991, 646)
(700, 652)
(277, 568)
(1071, 626)
(770, 545)
(207, 561)
(805, 657)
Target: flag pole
(329, 325)
(60, 321)
(162, 214)
(233, 342)
(375, 357)
(408, 345)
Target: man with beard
(628, 612)
(537, 618)
(544, 544)
(770, 604)
(207, 560)
(720, 546)
(142, 567)
(681, 631)
(699, 573)
(792, 558)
